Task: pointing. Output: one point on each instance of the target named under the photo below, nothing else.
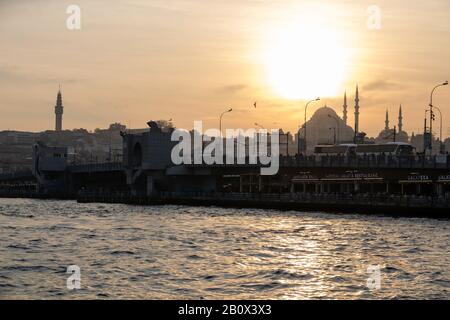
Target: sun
(305, 60)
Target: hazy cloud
(234, 88)
(13, 74)
(381, 85)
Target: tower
(400, 119)
(386, 122)
(59, 109)
(357, 111)
(345, 109)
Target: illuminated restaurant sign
(444, 178)
(353, 175)
(305, 177)
(418, 178)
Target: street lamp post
(440, 128)
(338, 127)
(334, 135)
(432, 114)
(306, 108)
(220, 119)
(281, 134)
(287, 140)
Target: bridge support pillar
(150, 186)
(438, 189)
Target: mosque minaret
(386, 122)
(388, 134)
(59, 109)
(344, 113)
(357, 111)
(325, 118)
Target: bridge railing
(365, 161)
(18, 175)
(96, 167)
(357, 161)
(314, 161)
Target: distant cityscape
(100, 145)
(325, 126)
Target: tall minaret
(400, 119)
(59, 109)
(386, 122)
(357, 111)
(345, 109)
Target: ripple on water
(122, 252)
(192, 252)
(194, 257)
(17, 246)
(285, 274)
(266, 286)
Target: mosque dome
(324, 127)
(324, 112)
(397, 133)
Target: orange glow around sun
(305, 58)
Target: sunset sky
(136, 60)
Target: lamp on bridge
(432, 117)
(306, 108)
(220, 119)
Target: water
(178, 252)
